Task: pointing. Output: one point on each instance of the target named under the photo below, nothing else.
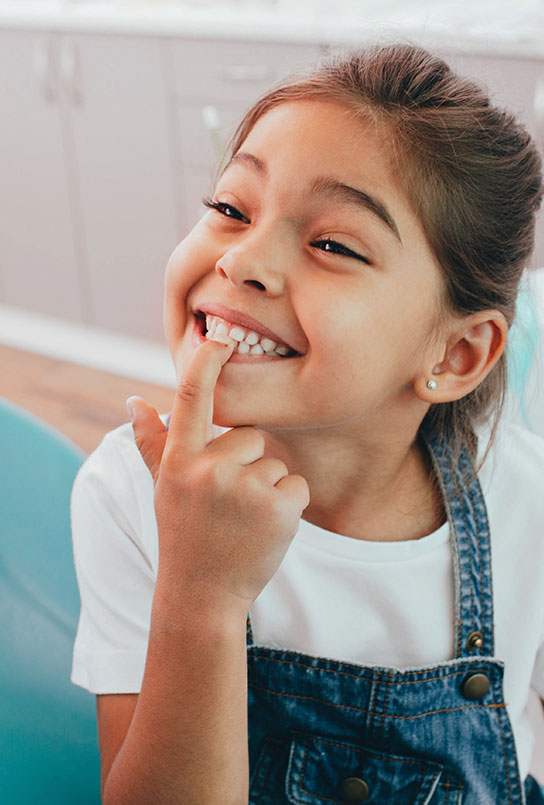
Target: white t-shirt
(372, 603)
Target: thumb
(149, 433)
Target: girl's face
(312, 238)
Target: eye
(333, 246)
(224, 209)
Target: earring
(431, 385)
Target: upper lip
(238, 317)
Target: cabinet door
(120, 127)
(228, 76)
(38, 245)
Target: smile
(248, 342)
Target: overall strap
(471, 547)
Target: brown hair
(470, 172)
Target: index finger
(190, 426)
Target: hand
(226, 515)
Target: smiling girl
(320, 579)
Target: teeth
(237, 333)
(252, 338)
(248, 341)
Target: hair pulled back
(470, 172)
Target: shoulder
(114, 485)
(512, 480)
(116, 460)
(516, 455)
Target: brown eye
(333, 246)
(228, 210)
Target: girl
(321, 580)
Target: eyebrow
(328, 188)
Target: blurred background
(114, 115)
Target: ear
(471, 351)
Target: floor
(83, 403)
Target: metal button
(475, 687)
(475, 640)
(354, 790)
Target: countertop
(481, 27)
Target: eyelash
(221, 207)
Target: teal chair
(48, 740)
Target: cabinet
(87, 196)
(39, 243)
(228, 76)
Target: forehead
(298, 141)
(323, 137)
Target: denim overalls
(323, 731)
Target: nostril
(256, 283)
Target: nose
(256, 262)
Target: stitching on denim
(362, 710)
(437, 449)
(489, 617)
(447, 787)
(506, 766)
(387, 673)
(483, 609)
(467, 541)
(382, 721)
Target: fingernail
(130, 407)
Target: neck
(363, 487)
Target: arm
(184, 738)
(226, 516)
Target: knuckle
(187, 390)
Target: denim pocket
(324, 771)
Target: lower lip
(236, 357)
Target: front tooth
(237, 333)
(242, 348)
(252, 338)
(256, 350)
(267, 344)
(222, 328)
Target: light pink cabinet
(122, 155)
(87, 209)
(228, 76)
(39, 234)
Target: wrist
(210, 604)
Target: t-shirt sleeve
(537, 680)
(113, 531)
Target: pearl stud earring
(431, 385)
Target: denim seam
(435, 448)
(384, 710)
(385, 673)
(366, 712)
(505, 760)
(467, 542)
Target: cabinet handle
(538, 107)
(71, 72)
(245, 72)
(43, 68)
